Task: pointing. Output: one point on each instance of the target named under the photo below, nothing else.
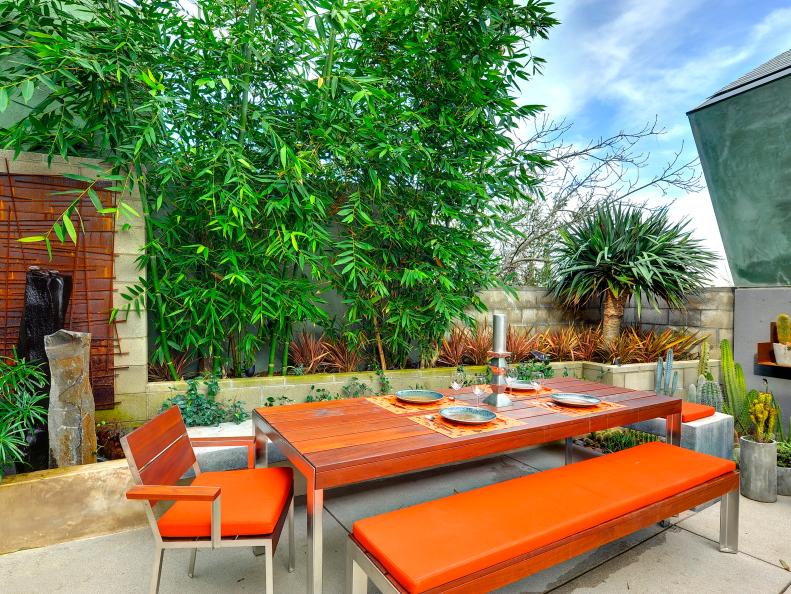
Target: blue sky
(616, 64)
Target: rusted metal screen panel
(29, 205)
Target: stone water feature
(72, 428)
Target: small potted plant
(782, 348)
(758, 451)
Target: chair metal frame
(150, 494)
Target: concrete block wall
(709, 313)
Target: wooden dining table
(341, 442)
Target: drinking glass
(511, 377)
(457, 381)
(479, 389)
(538, 379)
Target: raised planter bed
(256, 391)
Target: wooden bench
(234, 508)
(483, 539)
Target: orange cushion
(430, 544)
(691, 411)
(251, 502)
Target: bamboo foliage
(283, 149)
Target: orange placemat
(454, 430)
(573, 411)
(394, 405)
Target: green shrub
(22, 390)
(199, 409)
(784, 454)
(615, 440)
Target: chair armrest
(173, 493)
(247, 441)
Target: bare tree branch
(603, 171)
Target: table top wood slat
(348, 441)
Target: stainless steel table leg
(315, 536)
(569, 450)
(729, 522)
(673, 429)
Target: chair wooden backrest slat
(171, 465)
(160, 450)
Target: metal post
(729, 522)
(673, 429)
(356, 580)
(315, 537)
(569, 450)
(498, 363)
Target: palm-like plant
(618, 251)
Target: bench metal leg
(359, 569)
(191, 570)
(673, 429)
(729, 522)
(158, 553)
(569, 450)
(356, 580)
(292, 541)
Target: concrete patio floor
(677, 559)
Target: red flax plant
(453, 350)
(342, 357)
(520, 343)
(307, 351)
(479, 343)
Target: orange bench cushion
(691, 411)
(439, 541)
(251, 503)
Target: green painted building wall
(744, 143)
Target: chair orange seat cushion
(433, 543)
(691, 411)
(251, 503)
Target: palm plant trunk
(612, 316)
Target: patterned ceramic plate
(569, 399)
(467, 415)
(525, 386)
(418, 396)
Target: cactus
(706, 392)
(663, 383)
(763, 414)
(703, 361)
(783, 324)
(737, 399)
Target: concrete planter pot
(782, 354)
(783, 481)
(758, 467)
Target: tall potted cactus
(758, 451)
(782, 348)
(736, 398)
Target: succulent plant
(703, 361)
(706, 392)
(737, 399)
(763, 414)
(783, 324)
(665, 382)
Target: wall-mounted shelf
(765, 363)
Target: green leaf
(78, 177)
(284, 156)
(97, 204)
(3, 100)
(28, 88)
(226, 83)
(69, 226)
(31, 239)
